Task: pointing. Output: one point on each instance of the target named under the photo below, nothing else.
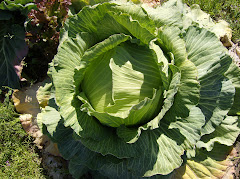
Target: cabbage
(13, 47)
(136, 91)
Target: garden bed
(33, 74)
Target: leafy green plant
(12, 44)
(136, 91)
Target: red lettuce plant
(43, 35)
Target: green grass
(18, 158)
(228, 10)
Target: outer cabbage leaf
(24, 6)
(13, 47)
(217, 91)
(226, 133)
(170, 13)
(12, 50)
(233, 73)
(194, 15)
(214, 164)
(174, 12)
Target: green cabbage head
(137, 90)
